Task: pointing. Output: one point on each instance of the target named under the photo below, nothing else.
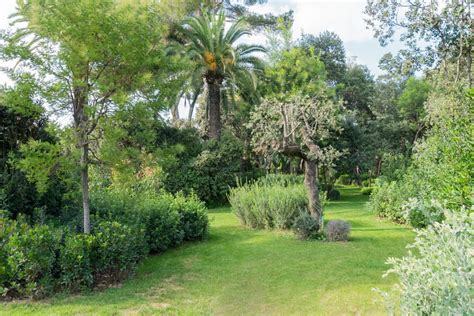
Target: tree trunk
(85, 186)
(214, 109)
(82, 143)
(311, 184)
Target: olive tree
(298, 127)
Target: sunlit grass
(239, 271)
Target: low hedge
(37, 260)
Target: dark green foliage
(167, 219)
(344, 179)
(334, 195)
(75, 262)
(212, 172)
(305, 226)
(116, 250)
(38, 260)
(366, 190)
(338, 230)
(193, 219)
(31, 261)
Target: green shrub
(116, 250)
(334, 195)
(193, 220)
(366, 190)
(344, 179)
(162, 222)
(338, 230)
(305, 226)
(436, 279)
(31, 259)
(262, 206)
(419, 213)
(270, 204)
(75, 262)
(387, 199)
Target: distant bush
(366, 190)
(265, 206)
(436, 279)
(305, 226)
(344, 179)
(386, 200)
(333, 195)
(338, 230)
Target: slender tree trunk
(214, 92)
(81, 125)
(311, 184)
(85, 186)
(191, 106)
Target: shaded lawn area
(239, 271)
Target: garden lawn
(239, 271)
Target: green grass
(239, 271)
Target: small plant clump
(338, 230)
(305, 226)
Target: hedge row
(36, 260)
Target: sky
(344, 17)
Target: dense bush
(344, 179)
(441, 169)
(366, 190)
(338, 230)
(168, 219)
(38, 260)
(269, 203)
(437, 278)
(212, 172)
(334, 195)
(268, 206)
(305, 226)
(419, 213)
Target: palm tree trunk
(214, 92)
(311, 184)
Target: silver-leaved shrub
(437, 277)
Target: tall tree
(87, 58)
(329, 47)
(447, 27)
(219, 61)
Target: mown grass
(239, 271)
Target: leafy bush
(437, 280)
(441, 168)
(116, 250)
(31, 261)
(366, 190)
(333, 195)
(305, 226)
(386, 200)
(344, 179)
(75, 262)
(193, 218)
(168, 219)
(212, 172)
(420, 214)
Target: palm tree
(218, 61)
